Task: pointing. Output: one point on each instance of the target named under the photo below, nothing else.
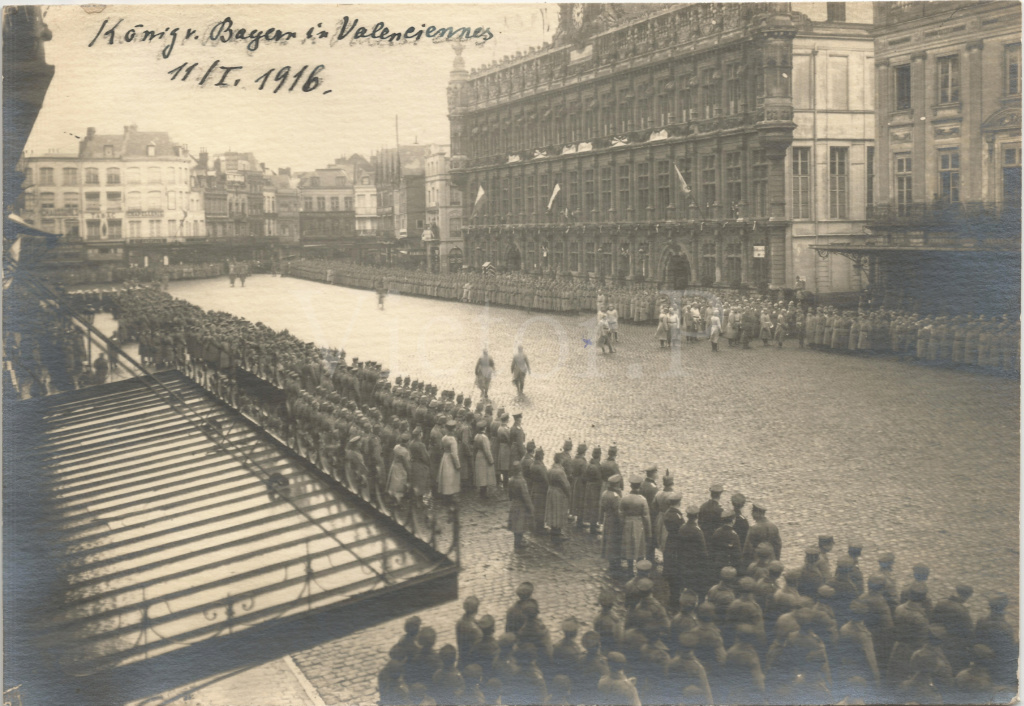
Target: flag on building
(682, 182)
(554, 193)
(479, 197)
(489, 269)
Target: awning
(177, 547)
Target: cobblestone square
(920, 461)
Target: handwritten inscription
(227, 31)
(220, 75)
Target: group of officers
(811, 635)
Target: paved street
(920, 461)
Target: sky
(364, 84)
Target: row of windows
(72, 199)
(113, 228)
(630, 192)
(91, 175)
(321, 203)
(603, 259)
(709, 92)
(947, 72)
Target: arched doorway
(677, 271)
(513, 259)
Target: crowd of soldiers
(110, 274)
(978, 341)
(759, 635)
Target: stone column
(971, 144)
(919, 105)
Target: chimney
(90, 133)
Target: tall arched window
(708, 263)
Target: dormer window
(108, 150)
(151, 150)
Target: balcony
(970, 225)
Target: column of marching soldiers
(736, 626)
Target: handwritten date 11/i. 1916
(225, 77)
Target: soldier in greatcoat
(521, 509)
(611, 518)
(711, 513)
(556, 513)
(636, 523)
(592, 492)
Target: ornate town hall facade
(656, 142)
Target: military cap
(531, 608)
(467, 403)
(876, 581)
(507, 639)
(590, 640)
(687, 600)
(612, 450)
(644, 565)
(570, 625)
(649, 472)
(812, 550)
(479, 407)
(517, 415)
(427, 634)
(354, 439)
(524, 590)
(854, 550)
(606, 597)
(450, 424)
(615, 480)
(692, 510)
(917, 590)
(404, 438)
(825, 591)
(964, 591)
(920, 572)
(776, 567)
(412, 625)
(674, 498)
(706, 612)
(581, 449)
(567, 445)
(616, 658)
(738, 499)
(746, 584)
(936, 633)
(886, 558)
(728, 572)
(825, 539)
(433, 404)
(688, 640)
(717, 488)
(447, 653)
(501, 411)
(486, 622)
(471, 604)
(668, 481)
(504, 417)
(727, 515)
(845, 564)
(764, 549)
(531, 445)
(636, 479)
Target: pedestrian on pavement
(484, 372)
(467, 632)
(100, 369)
(520, 369)
(740, 523)
(762, 530)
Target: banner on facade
(759, 251)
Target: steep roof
(131, 143)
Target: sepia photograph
(536, 354)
